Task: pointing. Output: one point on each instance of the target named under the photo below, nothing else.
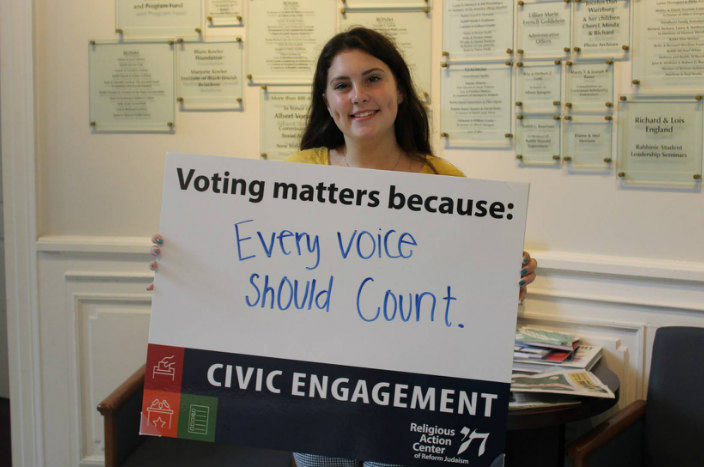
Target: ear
(400, 97)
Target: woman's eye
(374, 78)
(339, 86)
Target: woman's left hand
(158, 242)
(527, 274)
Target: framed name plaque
(410, 31)
(151, 19)
(588, 142)
(538, 139)
(383, 4)
(224, 12)
(131, 86)
(476, 105)
(538, 86)
(589, 85)
(282, 121)
(601, 28)
(660, 141)
(543, 29)
(209, 75)
(289, 34)
(477, 30)
(668, 55)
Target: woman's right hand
(158, 242)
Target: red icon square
(164, 369)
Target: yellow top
(321, 156)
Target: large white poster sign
(346, 312)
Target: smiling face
(362, 97)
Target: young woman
(365, 113)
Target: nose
(359, 95)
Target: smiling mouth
(368, 113)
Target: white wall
(109, 184)
(616, 262)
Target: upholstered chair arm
(121, 411)
(623, 428)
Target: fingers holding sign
(157, 241)
(528, 267)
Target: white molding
(18, 162)
(536, 292)
(93, 460)
(637, 328)
(620, 265)
(80, 297)
(93, 244)
(108, 276)
(81, 374)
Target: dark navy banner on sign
(370, 414)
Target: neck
(384, 155)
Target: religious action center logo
(436, 443)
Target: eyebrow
(364, 73)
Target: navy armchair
(668, 427)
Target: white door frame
(20, 215)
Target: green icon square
(197, 417)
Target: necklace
(398, 160)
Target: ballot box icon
(165, 367)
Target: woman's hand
(158, 241)
(527, 274)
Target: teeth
(364, 114)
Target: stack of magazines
(548, 362)
(540, 350)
